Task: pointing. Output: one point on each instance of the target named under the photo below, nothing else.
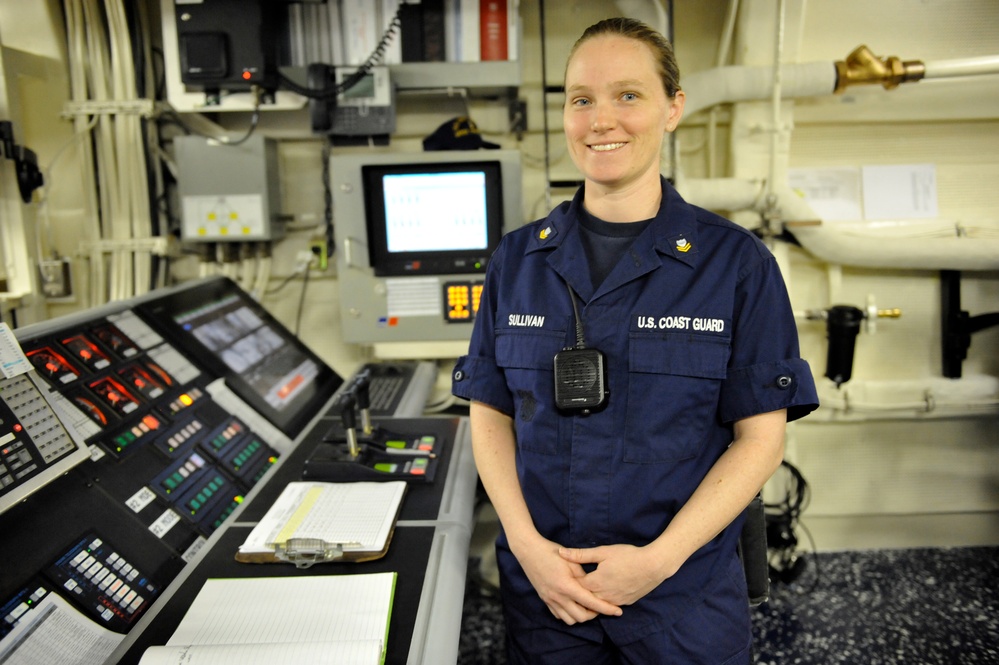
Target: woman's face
(616, 112)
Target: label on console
(140, 499)
(164, 523)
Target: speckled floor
(876, 607)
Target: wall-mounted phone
(368, 107)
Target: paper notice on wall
(833, 193)
(901, 191)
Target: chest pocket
(673, 388)
(526, 357)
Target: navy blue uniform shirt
(697, 330)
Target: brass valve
(862, 67)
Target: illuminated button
(107, 615)
(395, 443)
(86, 564)
(386, 467)
(17, 612)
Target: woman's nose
(603, 119)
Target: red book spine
(492, 29)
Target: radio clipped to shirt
(580, 373)
(580, 379)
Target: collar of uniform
(550, 231)
(676, 227)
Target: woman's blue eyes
(628, 97)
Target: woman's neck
(633, 203)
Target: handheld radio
(580, 373)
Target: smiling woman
(620, 470)
(615, 126)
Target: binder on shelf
(320, 522)
(493, 22)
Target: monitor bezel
(162, 313)
(437, 262)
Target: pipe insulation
(950, 247)
(736, 83)
(915, 245)
(930, 397)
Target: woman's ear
(675, 110)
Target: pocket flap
(680, 355)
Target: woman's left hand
(624, 573)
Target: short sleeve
(765, 371)
(476, 376)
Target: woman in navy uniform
(620, 521)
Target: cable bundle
(115, 171)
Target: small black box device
(230, 45)
(580, 379)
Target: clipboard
(320, 522)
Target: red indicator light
(17, 427)
(246, 76)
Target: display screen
(432, 218)
(261, 361)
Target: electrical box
(228, 193)
(229, 44)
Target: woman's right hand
(557, 582)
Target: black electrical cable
(333, 91)
(301, 301)
(328, 196)
(253, 123)
(783, 519)
(580, 341)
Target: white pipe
(729, 194)
(962, 67)
(775, 104)
(742, 84)
(724, 46)
(949, 247)
(930, 397)
(853, 246)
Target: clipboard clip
(303, 552)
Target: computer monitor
(232, 336)
(414, 232)
(432, 219)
